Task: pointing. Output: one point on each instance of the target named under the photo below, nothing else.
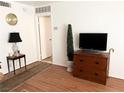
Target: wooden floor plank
(57, 79)
(17, 79)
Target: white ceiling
(34, 3)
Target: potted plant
(70, 48)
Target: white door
(46, 36)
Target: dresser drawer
(101, 63)
(81, 60)
(80, 72)
(98, 63)
(91, 62)
(92, 75)
(97, 76)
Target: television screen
(95, 41)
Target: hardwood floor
(19, 71)
(47, 60)
(57, 79)
(23, 76)
(1, 76)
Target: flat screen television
(93, 41)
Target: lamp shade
(14, 37)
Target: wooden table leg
(25, 63)
(19, 63)
(14, 67)
(8, 65)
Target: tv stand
(91, 65)
(92, 51)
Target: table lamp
(14, 37)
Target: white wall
(25, 27)
(90, 17)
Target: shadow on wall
(76, 38)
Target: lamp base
(15, 54)
(15, 49)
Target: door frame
(39, 35)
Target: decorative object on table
(11, 19)
(70, 48)
(111, 50)
(14, 37)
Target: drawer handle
(96, 74)
(81, 70)
(97, 62)
(81, 60)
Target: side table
(13, 58)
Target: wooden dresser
(92, 66)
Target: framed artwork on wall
(11, 19)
